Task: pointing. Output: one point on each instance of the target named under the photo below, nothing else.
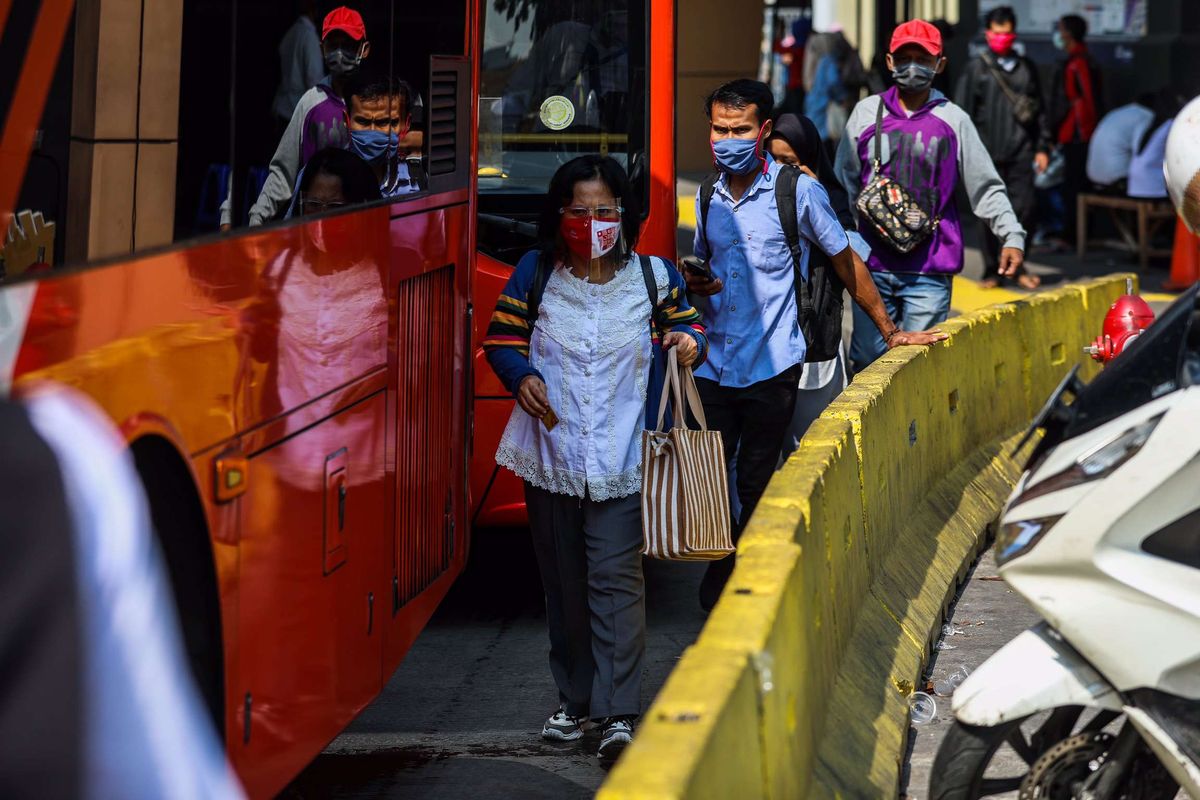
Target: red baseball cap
(346, 20)
(918, 32)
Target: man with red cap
(319, 119)
(922, 146)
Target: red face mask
(589, 237)
(1000, 43)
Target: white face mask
(605, 236)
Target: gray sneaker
(562, 727)
(615, 736)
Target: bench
(1151, 215)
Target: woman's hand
(806, 171)
(685, 346)
(532, 398)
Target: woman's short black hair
(1001, 15)
(359, 184)
(562, 191)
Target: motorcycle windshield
(1163, 359)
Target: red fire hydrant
(1123, 323)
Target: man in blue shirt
(756, 349)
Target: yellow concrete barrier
(797, 685)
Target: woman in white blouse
(579, 336)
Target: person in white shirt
(579, 335)
(301, 63)
(1114, 142)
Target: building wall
(718, 41)
(124, 127)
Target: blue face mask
(737, 156)
(1057, 39)
(914, 77)
(372, 145)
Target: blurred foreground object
(140, 729)
(1182, 164)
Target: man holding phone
(749, 382)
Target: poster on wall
(1104, 17)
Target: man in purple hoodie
(928, 145)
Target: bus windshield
(559, 78)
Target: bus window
(113, 169)
(367, 95)
(558, 78)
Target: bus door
(561, 79)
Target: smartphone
(697, 267)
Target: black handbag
(1024, 108)
(890, 208)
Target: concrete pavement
(463, 714)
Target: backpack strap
(651, 284)
(785, 201)
(541, 276)
(707, 188)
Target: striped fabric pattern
(510, 325)
(685, 490)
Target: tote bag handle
(680, 384)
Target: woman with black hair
(579, 337)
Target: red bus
(298, 397)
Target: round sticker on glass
(557, 112)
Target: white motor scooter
(1102, 538)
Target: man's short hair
(741, 93)
(371, 86)
(1001, 15)
(1075, 25)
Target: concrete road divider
(797, 686)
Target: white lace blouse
(591, 343)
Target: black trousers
(753, 422)
(1017, 175)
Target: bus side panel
(429, 283)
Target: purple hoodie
(926, 153)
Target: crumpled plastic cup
(946, 686)
(921, 708)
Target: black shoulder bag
(890, 208)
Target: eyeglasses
(310, 205)
(608, 213)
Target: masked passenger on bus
(379, 119)
(579, 336)
(319, 118)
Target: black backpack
(819, 299)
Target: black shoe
(615, 736)
(715, 578)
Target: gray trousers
(589, 555)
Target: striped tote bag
(685, 490)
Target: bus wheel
(177, 516)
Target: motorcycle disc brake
(1060, 772)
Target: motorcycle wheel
(1055, 758)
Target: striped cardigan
(508, 334)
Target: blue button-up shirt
(753, 332)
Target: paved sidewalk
(986, 616)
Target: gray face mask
(342, 62)
(914, 77)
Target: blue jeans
(915, 302)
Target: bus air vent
(443, 122)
